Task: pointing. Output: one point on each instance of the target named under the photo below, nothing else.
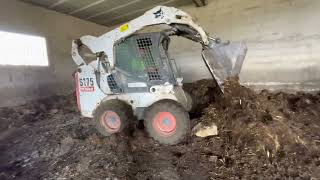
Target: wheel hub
(165, 123)
(111, 121)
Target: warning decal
(124, 27)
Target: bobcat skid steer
(123, 73)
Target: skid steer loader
(123, 73)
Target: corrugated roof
(105, 12)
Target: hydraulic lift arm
(222, 59)
(158, 15)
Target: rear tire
(112, 116)
(167, 122)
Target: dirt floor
(261, 136)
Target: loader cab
(142, 61)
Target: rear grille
(112, 83)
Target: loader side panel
(88, 93)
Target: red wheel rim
(165, 123)
(111, 121)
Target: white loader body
(90, 94)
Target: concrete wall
(283, 38)
(19, 84)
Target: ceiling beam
(86, 7)
(112, 9)
(58, 3)
(137, 11)
(200, 3)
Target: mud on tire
(122, 110)
(163, 109)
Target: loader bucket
(224, 60)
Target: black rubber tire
(182, 120)
(123, 110)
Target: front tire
(167, 122)
(112, 116)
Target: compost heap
(271, 123)
(261, 136)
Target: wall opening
(22, 49)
